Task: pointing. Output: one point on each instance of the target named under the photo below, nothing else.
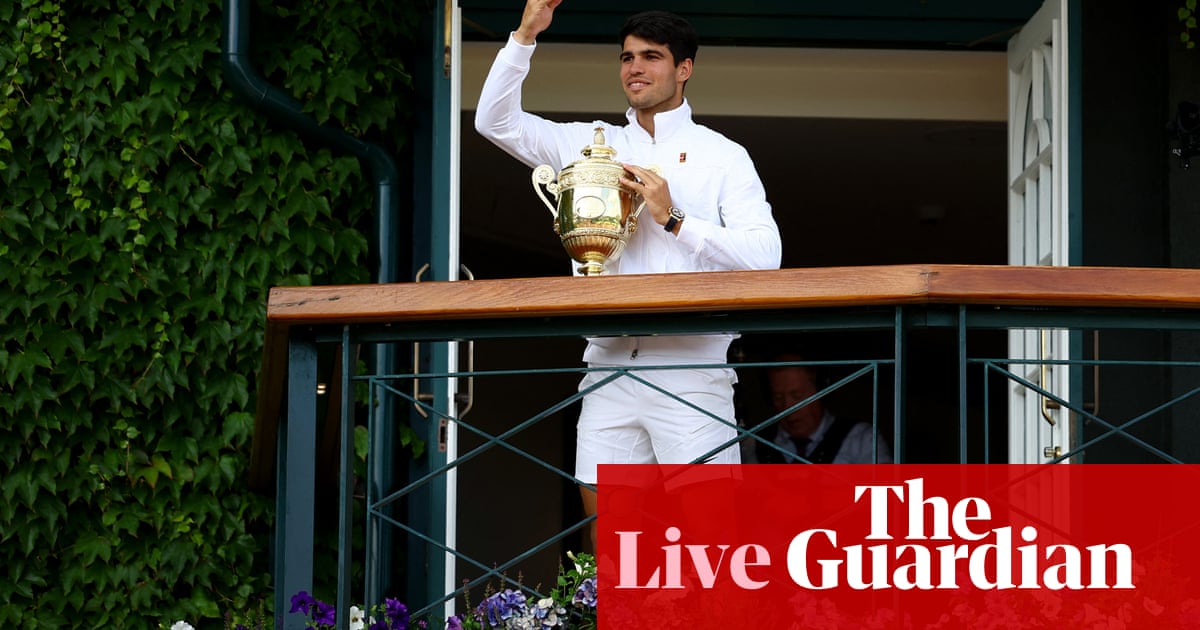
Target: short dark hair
(664, 27)
(816, 372)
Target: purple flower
(319, 612)
(585, 595)
(325, 614)
(301, 602)
(454, 623)
(397, 614)
(498, 608)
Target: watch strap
(676, 215)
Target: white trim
(1038, 230)
(452, 266)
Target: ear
(683, 71)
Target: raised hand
(537, 17)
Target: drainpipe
(282, 108)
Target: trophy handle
(638, 210)
(544, 176)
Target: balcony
(949, 364)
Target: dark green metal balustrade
(961, 347)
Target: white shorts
(627, 422)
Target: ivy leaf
(148, 473)
(13, 481)
(90, 547)
(85, 57)
(361, 442)
(158, 463)
(228, 468)
(342, 87)
(237, 428)
(23, 364)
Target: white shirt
(729, 223)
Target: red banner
(899, 546)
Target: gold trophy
(595, 216)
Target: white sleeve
(499, 117)
(747, 236)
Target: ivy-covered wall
(144, 213)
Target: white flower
(545, 613)
(182, 625)
(356, 618)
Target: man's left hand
(652, 187)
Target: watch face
(677, 213)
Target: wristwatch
(677, 215)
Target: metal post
(346, 486)
(296, 484)
(962, 384)
(900, 382)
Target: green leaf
(237, 428)
(91, 547)
(158, 463)
(361, 442)
(12, 482)
(228, 468)
(148, 473)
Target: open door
(1039, 429)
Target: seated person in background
(810, 431)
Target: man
(706, 211)
(811, 431)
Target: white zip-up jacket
(729, 223)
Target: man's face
(789, 386)
(649, 76)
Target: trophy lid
(599, 150)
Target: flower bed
(570, 605)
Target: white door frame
(1039, 233)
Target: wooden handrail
(694, 293)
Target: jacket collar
(665, 123)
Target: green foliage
(145, 213)
(1187, 17)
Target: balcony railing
(936, 357)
